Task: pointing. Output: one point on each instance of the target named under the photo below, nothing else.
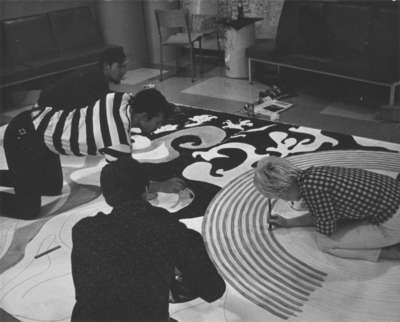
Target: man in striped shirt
(34, 140)
(355, 212)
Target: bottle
(233, 14)
(240, 14)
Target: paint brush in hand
(47, 251)
(269, 214)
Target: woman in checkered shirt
(355, 212)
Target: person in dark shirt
(82, 88)
(124, 263)
(355, 212)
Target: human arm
(172, 185)
(164, 177)
(76, 90)
(304, 220)
(113, 109)
(66, 93)
(198, 271)
(112, 153)
(56, 95)
(322, 207)
(322, 215)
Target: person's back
(82, 88)
(35, 139)
(123, 263)
(75, 90)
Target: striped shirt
(100, 128)
(335, 193)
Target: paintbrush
(269, 214)
(47, 251)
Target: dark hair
(151, 102)
(112, 54)
(123, 180)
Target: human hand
(278, 221)
(298, 205)
(172, 185)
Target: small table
(239, 35)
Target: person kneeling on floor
(35, 139)
(124, 263)
(355, 212)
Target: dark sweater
(123, 264)
(76, 90)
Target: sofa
(357, 40)
(37, 46)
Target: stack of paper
(271, 107)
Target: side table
(240, 34)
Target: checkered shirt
(335, 193)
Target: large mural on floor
(274, 275)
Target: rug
(271, 276)
(282, 270)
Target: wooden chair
(177, 21)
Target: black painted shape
(235, 158)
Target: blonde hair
(274, 175)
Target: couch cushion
(384, 43)
(358, 40)
(355, 67)
(302, 29)
(352, 67)
(11, 74)
(75, 28)
(28, 38)
(45, 67)
(348, 25)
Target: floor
(337, 113)
(215, 92)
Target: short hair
(151, 102)
(112, 54)
(123, 180)
(274, 175)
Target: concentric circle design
(252, 259)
